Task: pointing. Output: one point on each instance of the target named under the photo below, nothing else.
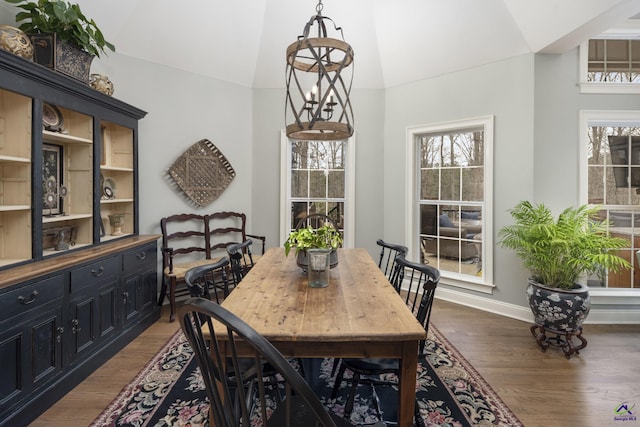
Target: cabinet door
(130, 299)
(67, 180)
(15, 178)
(93, 307)
(140, 282)
(30, 355)
(117, 181)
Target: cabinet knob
(60, 331)
(97, 273)
(125, 296)
(141, 255)
(74, 326)
(30, 299)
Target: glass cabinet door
(67, 180)
(116, 181)
(15, 178)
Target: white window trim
(604, 87)
(412, 186)
(604, 118)
(350, 185)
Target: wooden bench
(191, 240)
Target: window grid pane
(318, 180)
(614, 185)
(452, 200)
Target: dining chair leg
(348, 407)
(163, 290)
(336, 363)
(172, 299)
(338, 381)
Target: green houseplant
(64, 19)
(63, 38)
(558, 253)
(323, 237)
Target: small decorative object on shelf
(59, 238)
(101, 83)
(52, 119)
(108, 189)
(116, 221)
(14, 40)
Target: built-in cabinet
(77, 281)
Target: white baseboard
(596, 315)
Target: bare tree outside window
(452, 199)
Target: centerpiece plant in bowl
(323, 237)
(559, 253)
(63, 37)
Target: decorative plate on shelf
(109, 188)
(52, 118)
(202, 173)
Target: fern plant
(558, 252)
(64, 19)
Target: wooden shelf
(62, 218)
(14, 208)
(11, 159)
(64, 139)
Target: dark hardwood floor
(542, 389)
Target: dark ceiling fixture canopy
(319, 76)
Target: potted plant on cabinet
(63, 37)
(558, 253)
(323, 237)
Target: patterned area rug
(449, 392)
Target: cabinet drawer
(31, 296)
(140, 258)
(95, 273)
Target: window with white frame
(610, 179)
(451, 181)
(317, 178)
(610, 63)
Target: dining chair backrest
(210, 281)
(417, 284)
(214, 332)
(316, 221)
(388, 253)
(241, 259)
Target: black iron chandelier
(319, 76)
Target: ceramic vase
(101, 83)
(561, 310)
(14, 40)
(116, 221)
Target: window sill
(610, 88)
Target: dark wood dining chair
(417, 284)
(210, 281)
(233, 401)
(388, 254)
(241, 259)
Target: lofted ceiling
(395, 41)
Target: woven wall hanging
(202, 173)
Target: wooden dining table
(358, 315)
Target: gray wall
(534, 99)
(504, 89)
